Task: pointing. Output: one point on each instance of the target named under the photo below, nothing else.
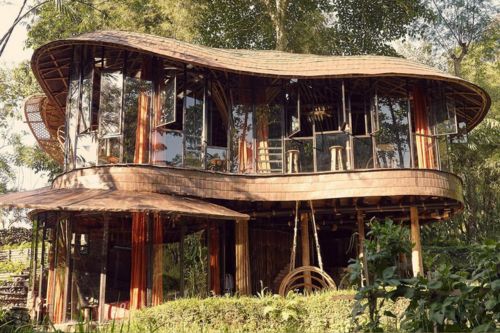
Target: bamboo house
(194, 171)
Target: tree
(456, 26)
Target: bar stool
(337, 161)
(292, 161)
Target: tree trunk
(277, 12)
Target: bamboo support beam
(306, 255)
(416, 253)
(361, 251)
(243, 279)
(104, 257)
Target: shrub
(328, 311)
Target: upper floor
(116, 97)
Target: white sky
(13, 54)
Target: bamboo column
(243, 282)
(361, 246)
(104, 261)
(416, 253)
(306, 255)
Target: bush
(328, 311)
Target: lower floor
(100, 265)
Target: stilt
(306, 255)
(104, 260)
(365, 280)
(416, 253)
(243, 282)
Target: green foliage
(449, 299)
(457, 300)
(13, 267)
(385, 241)
(321, 312)
(14, 236)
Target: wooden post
(306, 255)
(182, 261)
(41, 293)
(67, 268)
(416, 253)
(34, 261)
(243, 281)
(104, 262)
(361, 245)
(149, 253)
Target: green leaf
(388, 272)
(482, 328)
(495, 285)
(435, 284)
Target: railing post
(416, 253)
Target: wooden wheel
(295, 280)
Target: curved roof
(51, 64)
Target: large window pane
(168, 95)
(193, 120)
(217, 158)
(268, 114)
(109, 150)
(242, 131)
(167, 147)
(195, 264)
(73, 109)
(86, 152)
(392, 138)
(332, 152)
(299, 154)
(442, 117)
(292, 107)
(110, 103)
(363, 152)
(136, 108)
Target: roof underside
(115, 201)
(51, 65)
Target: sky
(15, 53)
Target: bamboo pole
(361, 244)
(416, 253)
(306, 255)
(243, 281)
(104, 257)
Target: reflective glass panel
(110, 103)
(193, 120)
(168, 96)
(363, 152)
(195, 264)
(292, 107)
(242, 138)
(442, 117)
(332, 152)
(167, 147)
(137, 104)
(86, 152)
(217, 158)
(268, 117)
(109, 150)
(392, 138)
(299, 155)
(172, 262)
(73, 109)
(85, 121)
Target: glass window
(168, 94)
(137, 103)
(299, 154)
(86, 115)
(109, 150)
(217, 115)
(442, 116)
(193, 120)
(86, 152)
(73, 108)
(360, 114)
(392, 138)
(167, 147)
(242, 136)
(332, 152)
(268, 117)
(110, 103)
(216, 158)
(363, 152)
(292, 107)
(195, 264)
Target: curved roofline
(258, 62)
